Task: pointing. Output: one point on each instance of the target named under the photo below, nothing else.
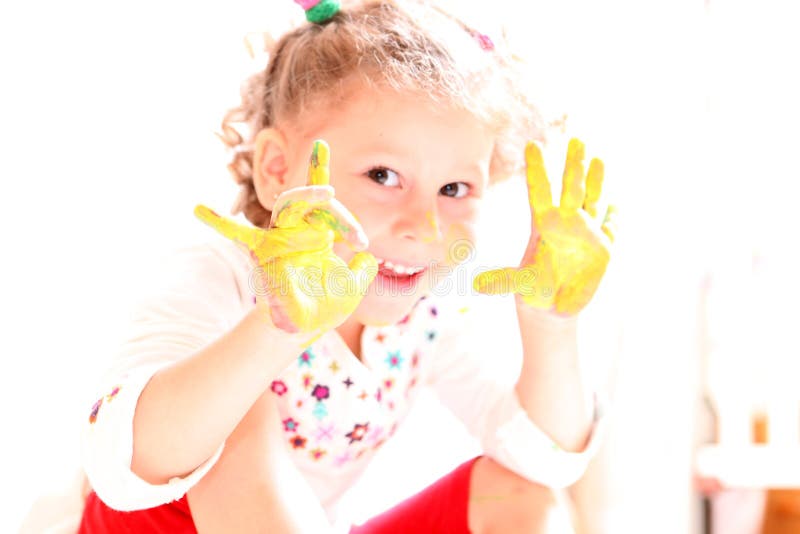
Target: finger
(608, 226)
(318, 169)
(338, 218)
(594, 185)
(312, 194)
(573, 189)
(248, 236)
(539, 195)
(496, 282)
(609, 231)
(364, 267)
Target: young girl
(254, 389)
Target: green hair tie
(323, 11)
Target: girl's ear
(270, 166)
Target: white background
(108, 111)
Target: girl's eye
(455, 190)
(384, 176)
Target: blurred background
(108, 117)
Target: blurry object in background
(731, 380)
(782, 421)
(731, 390)
(782, 513)
(751, 473)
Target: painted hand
(569, 247)
(303, 284)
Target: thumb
(364, 267)
(244, 235)
(496, 282)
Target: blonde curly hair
(409, 47)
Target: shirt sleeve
(200, 298)
(463, 372)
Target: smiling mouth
(387, 268)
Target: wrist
(544, 318)
(277, 338)
(274, 349)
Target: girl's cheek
(459, 220)
(371, 207)
(460, 239)
(368, 217)
(460, 209)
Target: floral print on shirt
(96, 407)
(338, 410)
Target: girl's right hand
(305, 286)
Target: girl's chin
(382, 311)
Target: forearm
(255, 486)
(594, 497)
(189, 408)
(550, 387)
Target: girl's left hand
(569, 247)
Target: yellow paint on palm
(569, 247)
(303, 283)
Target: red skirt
(172, 518)
(441, 507)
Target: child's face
(413, 174)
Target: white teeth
(399, 269)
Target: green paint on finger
(328, 219)
(315, 155)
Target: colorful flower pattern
(278, 387)
(358, 432)
(321, 392)
(306, 358)
(394, 360)
(96, 406)
(95, 411)
(338, 409)
(290, 425)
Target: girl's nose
(419, 222)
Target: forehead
(381, 118)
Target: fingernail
(575, 149)
(532, 151)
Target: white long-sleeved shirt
(336, 410)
